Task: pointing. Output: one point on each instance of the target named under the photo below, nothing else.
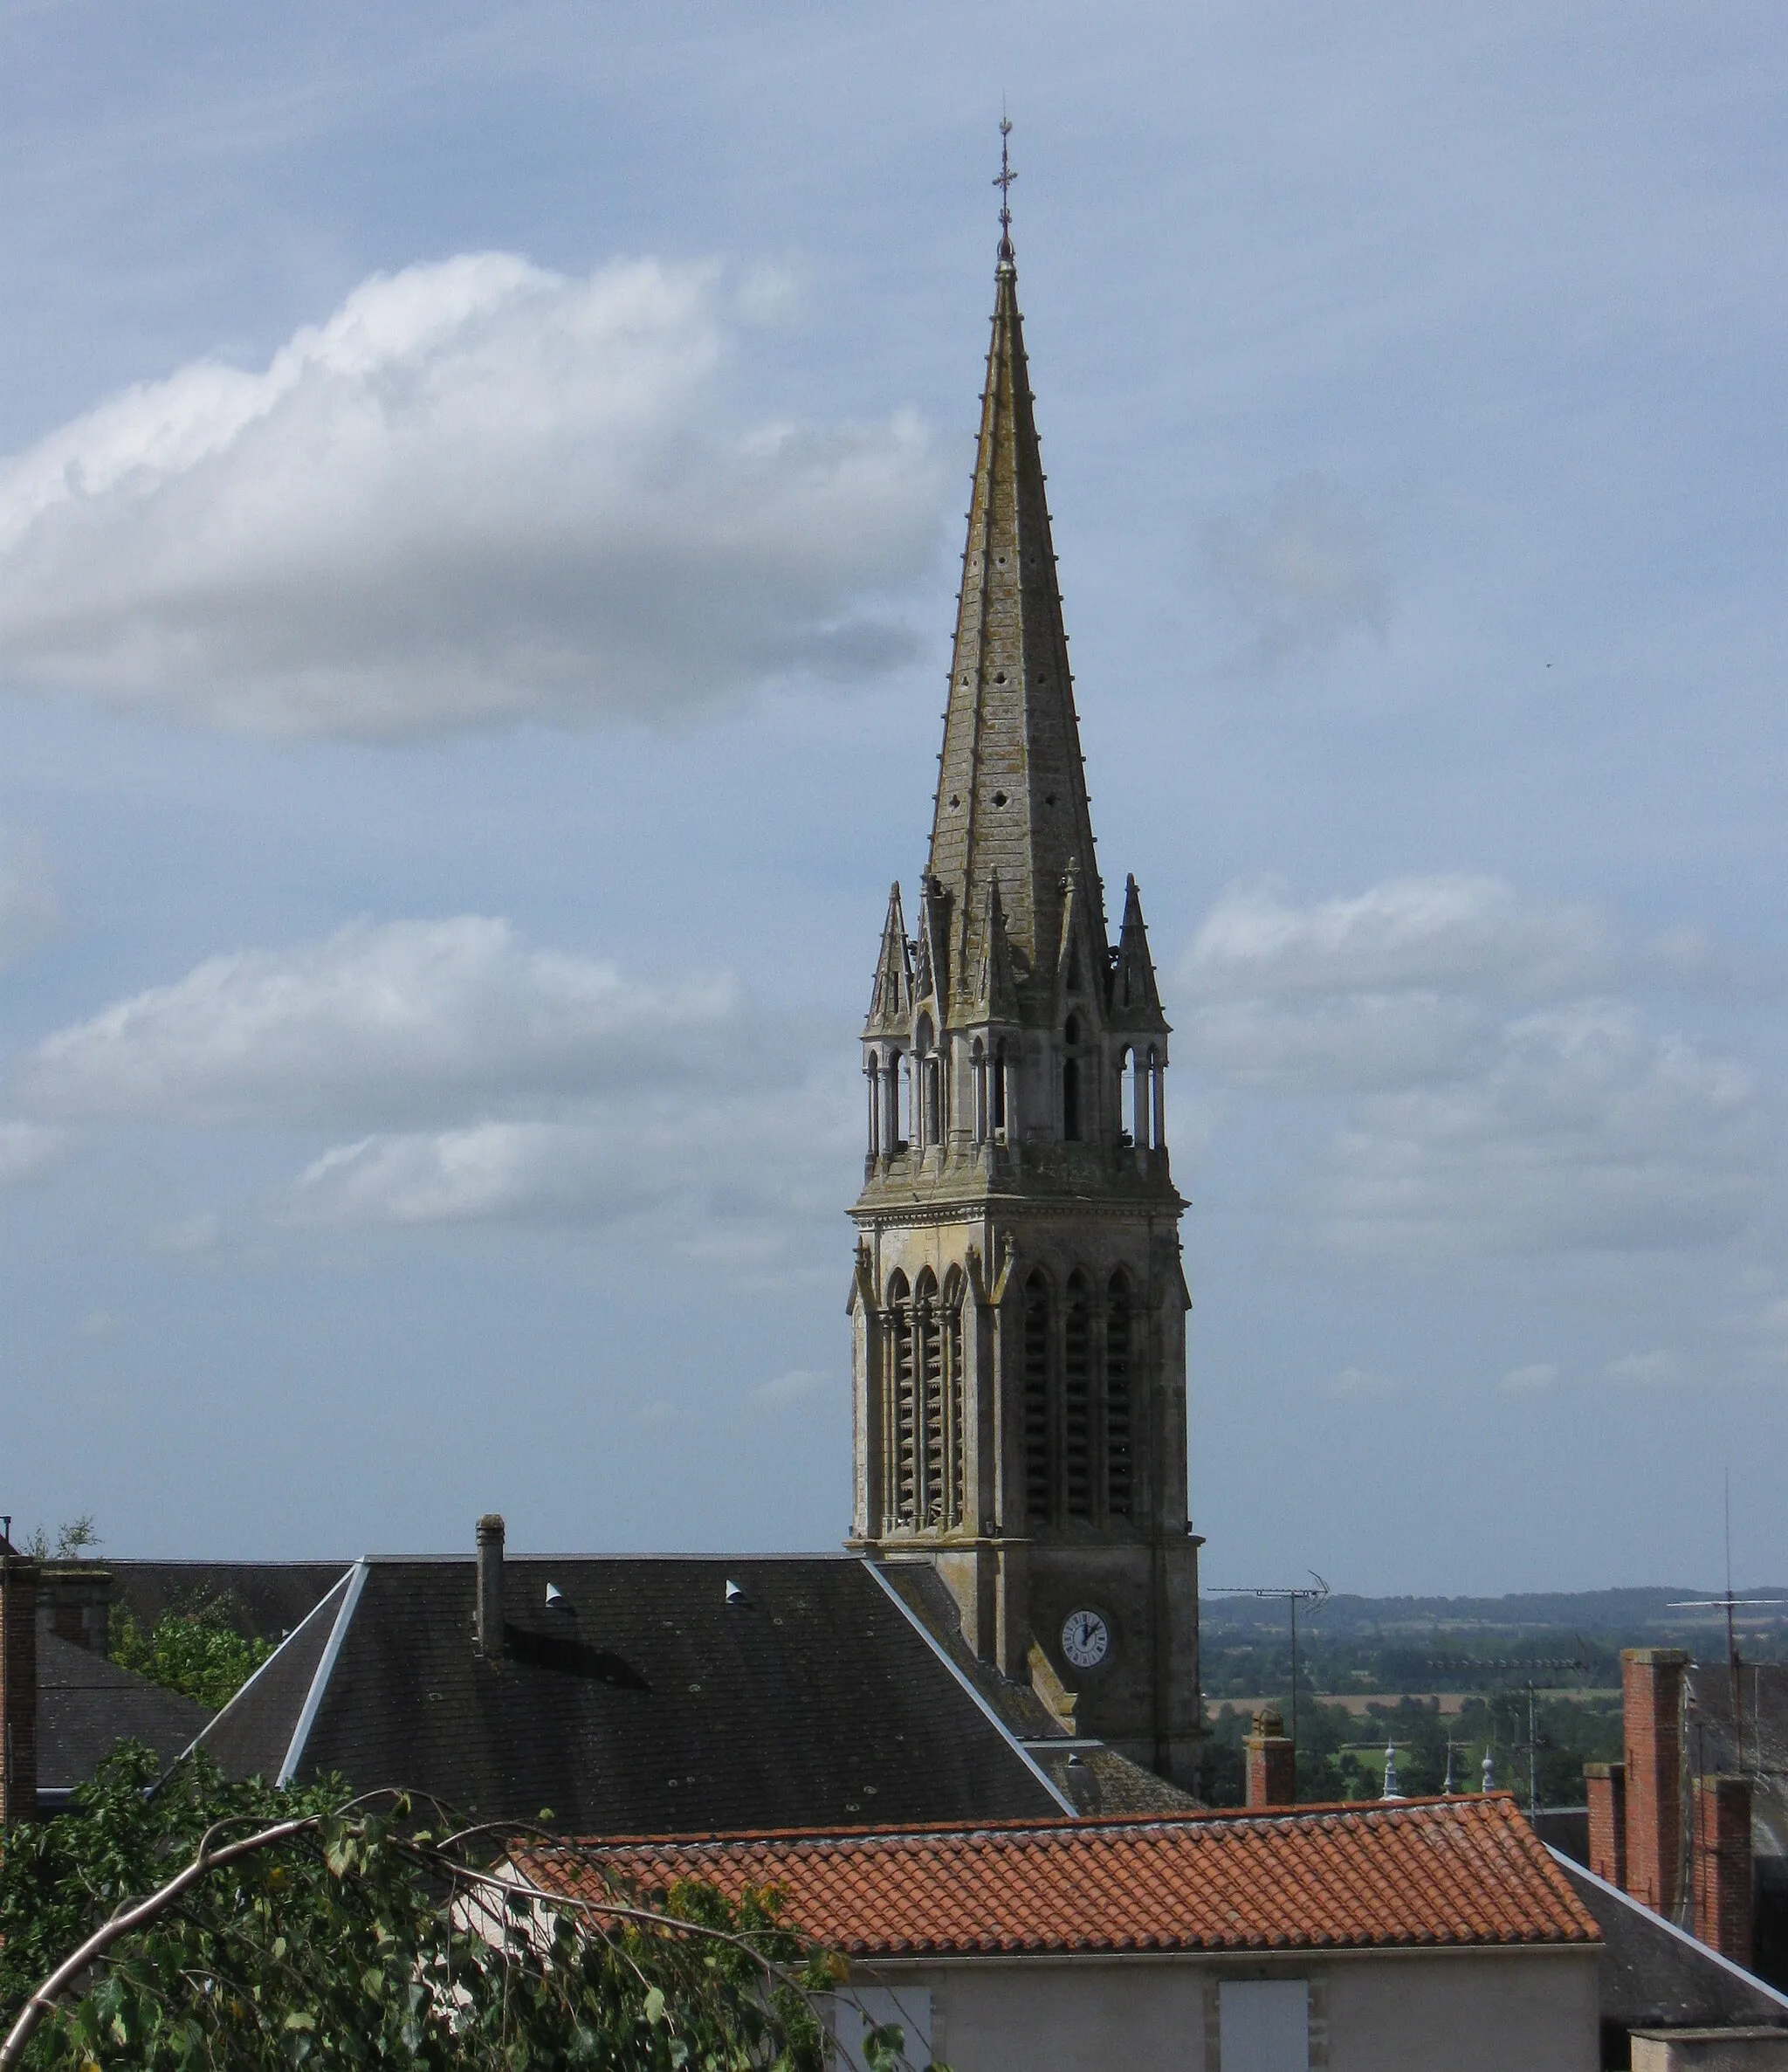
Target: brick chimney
(1272, 1760)
(1721, 1885)
(1604, 1786)
(18, 1686)
(1651, 1702)
(74, 1602)
(490, 1608)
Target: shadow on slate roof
(649, 1704)
(86, 1705)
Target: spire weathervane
(1003, 180)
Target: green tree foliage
(296, 1928)
(193, 1648)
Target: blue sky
(476, 524)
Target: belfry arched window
(955, 1473)
(903, 1402)
(1078, 1398)
(1036, 1352)
(1120, 1442)
(928, 1334)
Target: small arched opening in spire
(1071, 1082)
(998, 1089)
(977, 1090)
(928, 1123)
(1126, 1075)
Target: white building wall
(1406, 2011)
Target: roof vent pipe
(490, 1586)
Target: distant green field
(1425, 1672)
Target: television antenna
(1312, 1594)
(1728, 1603)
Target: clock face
(1086, 1639)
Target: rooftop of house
(1656, 1974)
(651, 1694)
(264, 1599)
(1447, 1873)
(86, 1705)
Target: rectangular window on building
(1264, 2025)
(861, 2008)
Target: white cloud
(1361, 1382)
(1532, 1380)
(1504, 1098)
(1394, 985)
(189, 1237)
(800, 1385)
(490, 1081)
(29, 908)
(379, 1023)
(1455, 929)
(752, 1163)
(478, 491)
(1585, 1132)
(1303, 572)
(1657, 1369)
(29, 1152)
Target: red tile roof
(1435, 1873)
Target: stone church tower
(1018, 1304)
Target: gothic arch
(1077, 1397)
(1120, 1397)
(956, 1490)
(1037, 1361)
(903, 1453)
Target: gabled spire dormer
(891, 1001)
(1136, 1002)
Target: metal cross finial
(1003, 180)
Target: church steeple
(1012, 800)
(1018, 1364)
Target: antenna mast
(1311, 1593)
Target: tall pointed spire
(1012, 794)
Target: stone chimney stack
(74, 1602)
(1272, 1760)
(1604, 1786)
(1651, 1702)
(490, 1586)
(18, 1686)
(1721, 1886)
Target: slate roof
(1444, 1873)
(648, 1703)
(1093, 1778)
(86, 1705)
(264, 1600)
(1655, 1975)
